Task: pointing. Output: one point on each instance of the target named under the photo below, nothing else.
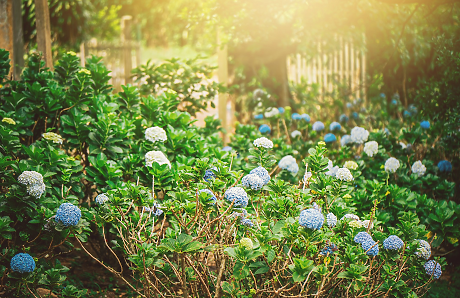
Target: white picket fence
(345, 64)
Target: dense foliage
(174, 213)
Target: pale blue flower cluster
(329, 250)
(423, 250)
(330, 138)
(246, 222)
(371, 247)
(331, 220)
(252, 181)
(393, 242)
(305, 117)
(335, 126)
(238, 196)
(362, 237)
(262, 173)
(425, 124)
(68, 215)
(101, 198)
(155, 210)
(22, 263)
(264, 129)
(209, 174)
(433, 268)
(367, 243)
(311, 218)
(296, 116)
(343, 118)
(33, 182)
(318, 126)
(289, 163)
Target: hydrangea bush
(179, 215)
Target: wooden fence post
(42, 16)
(18, 40)
(222, 74)
(6, 28)
(126, 42)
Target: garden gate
(342, 63)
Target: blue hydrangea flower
(246, 222)
(252, 181)
(329, 250)
(406, 114)
(289, 163)
(101, 198)
(412, 109)
(361, 237)
(155, 210)
(423, 249)
(382, 95)
(330, 138)
(68, 215)
(445, 166)
(343, 118)
(335, 126)
(208, 191)
(311, 218)
(259, 117)
(349, 105)
(331, 220)
(262, 173)
(22, 263)
(433, 268)
(425, 124)
(355, 115)
(281, 110)
(346, 139)
(394, 102)
(318, 126)
(305, 117)
(209, 174)
(237, 195)
(227, 148)
(386, 131)
(296, 116)
(264, 128)
(371, 248)
(393, 242)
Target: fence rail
(345, 64)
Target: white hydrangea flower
(418, 168)
(295, 134)
(356, 224)
(271, 112)
(30, 177)
(344, 174)
(9, 121)
(156, 156)
(349, 215)
(154, 134)
(403, 146)
(371, 148)
(263, 142)
(332, 171)
(391, 165)
(54, 137)
(289, 163)
(359, 135)
(350, 164)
